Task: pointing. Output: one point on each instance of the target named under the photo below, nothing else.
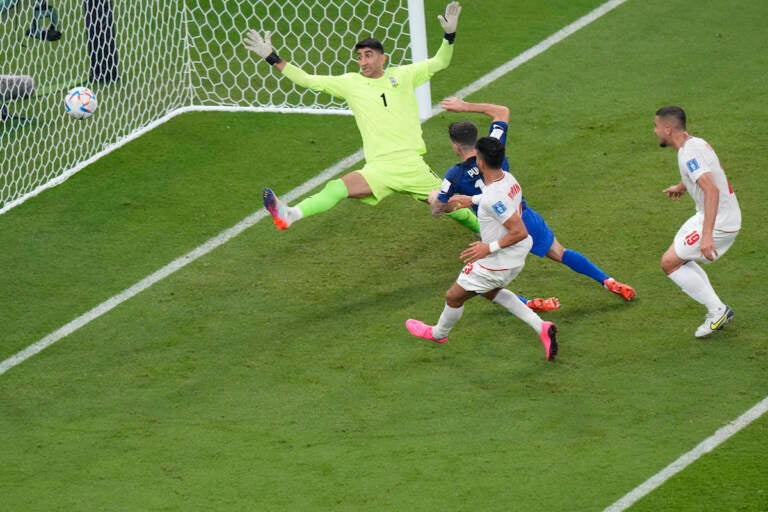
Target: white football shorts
(480, 277)
(689, 235)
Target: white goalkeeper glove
(261, 46)
(450, 19)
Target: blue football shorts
(542, 234)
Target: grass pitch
(275, 373)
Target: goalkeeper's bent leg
(333, 192)
(467, 218)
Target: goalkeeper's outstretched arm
(450, 20)
(262, 46)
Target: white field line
(172, 267)
(321, 178)
(689, 458)
(536, 50)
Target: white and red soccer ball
(80, 102)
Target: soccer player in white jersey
(707, 235)
(384, 104)
(491, 264)
(462, 179)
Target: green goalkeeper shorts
(410, 176)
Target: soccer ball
(80, 102)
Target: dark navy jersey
(464, 178)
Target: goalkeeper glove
(449, 20)
(261, 46)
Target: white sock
(509, 301)
(448, 319)
(293, 213)
(692, 279)
(700, 271)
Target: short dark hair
(463, 133)
(673, 112)
(373, 44)
(491, 151)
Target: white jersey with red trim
(499, 201)
(695, 158)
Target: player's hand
(450, 19)
(453, 104)
(675, 192)
(460, 201)
(707, 247)
(477, 250)
(261, 46)
(436, 207)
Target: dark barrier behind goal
(99, 23)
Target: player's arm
(449, 21)
(516, 232)
(495, 112)
(441, 60)
(711, 202)
(676, 191)
(440, 201)
(463, 201)
(437, 207)
(262, 46)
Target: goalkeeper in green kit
(384, 104)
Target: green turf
(275, 373)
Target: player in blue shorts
(464, 178)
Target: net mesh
(162, 58)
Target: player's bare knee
(455, 297)
(556, 251)
(670, 262)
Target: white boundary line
(249, 221)
(689, 458)
(534, 51)
(177, 264)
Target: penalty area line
(177, 264)
(128, 293)
(685, 460)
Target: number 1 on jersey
(384, 99)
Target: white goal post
(150, 61)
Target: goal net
(148, 61)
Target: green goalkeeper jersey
(385, 108)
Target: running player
(493, 263)
(463, 178)
(707, 235)
(384, 104)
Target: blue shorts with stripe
(542, 235)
